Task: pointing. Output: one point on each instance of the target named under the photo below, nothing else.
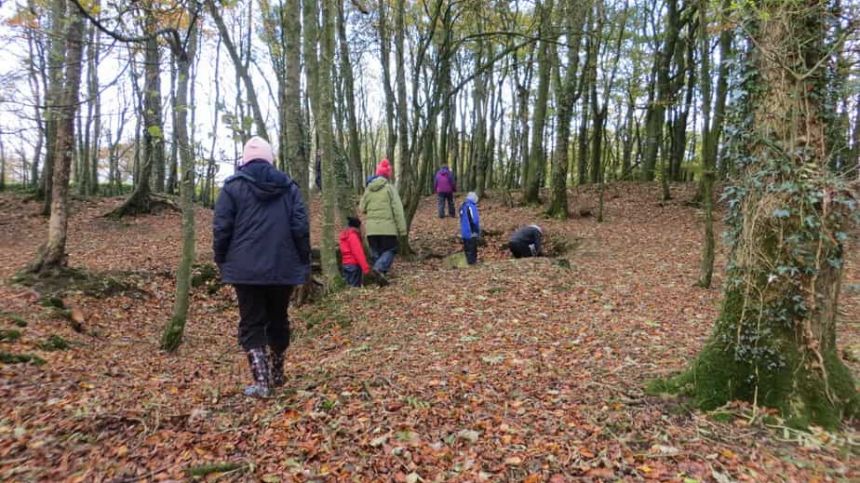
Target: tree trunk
(95, 98)
(2, 165)
(53, 255)
(774, 342)
(36, 66)
(328, 149)
(183, 56)
(153, 115)
(853, 168)
(537, 162)
(582, 140)
(567, 97)
(296, 148)
(657, 109)
(56, 60)
(708, 154)
(354, 152)
(241, 69)
(172, 171)
(679, 135)
(140, 200)
(385, 54)
(401, 164)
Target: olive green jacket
(383, 208)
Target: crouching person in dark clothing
(526, 242)
(261, 241)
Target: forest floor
(513, 370)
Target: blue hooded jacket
(261, 232)
(470, 220)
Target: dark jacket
(261, 233)
(528, 236)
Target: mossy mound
(53, 284)
(206, 275)
(456, 260)
(805, 390)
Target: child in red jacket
(352, 253)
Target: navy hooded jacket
(528, 236)
(261, 233)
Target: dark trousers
(470, 248)
(520, 250)
(382, 251)
(352, 275)
(263, 316)
(441, 198)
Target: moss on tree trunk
(774, 343)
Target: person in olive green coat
(385, 220)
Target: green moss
(9, 358)
(53, 284)
(725, 372)
(722, 416)
(171, 339)
(14, 318)
(673, 385)
(206, 274)
(211, 468)
(54, 343)
(9, 335)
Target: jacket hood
(345, 234)
(377, 184)
(265, 181)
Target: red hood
(345, 234)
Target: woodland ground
(511, 370)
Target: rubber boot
(260, 372)
(276, 365)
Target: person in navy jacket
(526, 242)
(470, 227)
(261, 242)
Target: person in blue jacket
(261, 242)
(470, 227)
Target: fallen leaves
(513, 370)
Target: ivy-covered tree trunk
(172, 336)
(774, 343)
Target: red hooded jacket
(351, 249)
